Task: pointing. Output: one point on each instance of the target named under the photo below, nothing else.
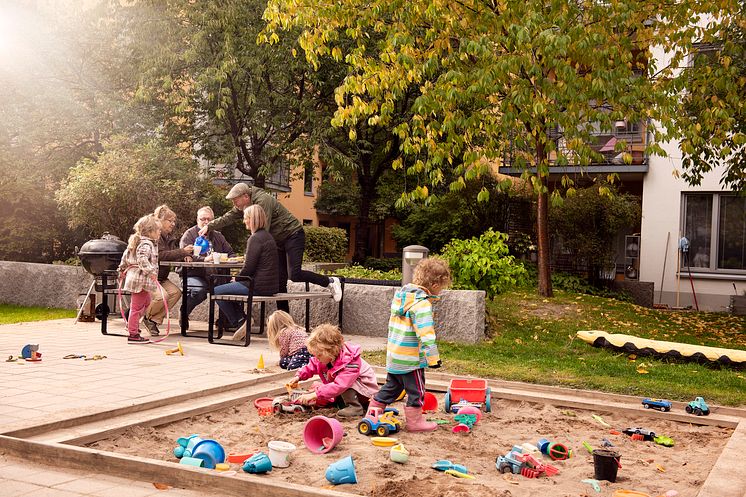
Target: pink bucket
(322, 434)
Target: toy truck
(698, 406)
(379, 421)
(516, 462)
(462, 392)
(288, 403)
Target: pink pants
(139, 302)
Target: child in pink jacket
(343, 373)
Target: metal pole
(80, 311)
(663, 274)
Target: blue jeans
(196, 292)
(233, 311)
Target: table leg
(183, 310)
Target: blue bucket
(210, 451)
(258, 463)
(342, 471)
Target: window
(308, 179)
(307, 222)
(714, 223)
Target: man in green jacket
(287, 232)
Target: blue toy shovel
(444, 464)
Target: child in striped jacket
(411, 343)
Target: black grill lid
(107, 244)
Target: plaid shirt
(141, 267)
(292, 339)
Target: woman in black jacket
(260, 263)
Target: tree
(526, 80)
(589, 221)
(129, 180)
(713, 125)
(236, 101)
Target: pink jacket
(349, 370)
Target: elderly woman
(260, 263)
(168, 250)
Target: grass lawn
(17, 314)
(533, 340)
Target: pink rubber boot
(416, 421)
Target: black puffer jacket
(260, 262)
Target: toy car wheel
(646, 406)
(297, 409)
(488, 400)
(447, 402)
(363, 427)
(505, 468)
(689, 409)
(698, 411)
(665, 409)
(382, 431)
(276, 408)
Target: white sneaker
(336, 288)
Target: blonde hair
(256, 216)
(325, 339)
(144, 226)
(431, 272)
(164, 212)
(277, 322)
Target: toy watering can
(258, 463)
(204, 245)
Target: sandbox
(138, 442)
(646, 466)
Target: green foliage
(520, 244)
(712, 125)
(128, 181)
(454, 215)
(365, 273)
(483, 263)
(386, 264)
(589, 221)
(575, 284)
(325, 244)
(31, 227)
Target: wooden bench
(247, 302)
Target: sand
(646, 466)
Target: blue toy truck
(698, 406)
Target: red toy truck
(463, 391)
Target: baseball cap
(238, 190)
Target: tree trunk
(542, 231)
(362, 230)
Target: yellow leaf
(660, 468)
(632, 357)
(642, 370)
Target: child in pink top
(288, 338)
(343, 373)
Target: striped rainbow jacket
(411, 343)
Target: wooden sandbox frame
(59, 441)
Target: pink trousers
(139, 302)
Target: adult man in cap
(287, 232)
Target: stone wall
(459, 314)
(641, 291)
(42, 285)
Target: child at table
(288, 338)
(139, 269)
(411, 342)
(343, 373)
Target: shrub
(385, 264)
(128, 181)
(325, 244)
(483, 263)
(364, 273)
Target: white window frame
(712, 270)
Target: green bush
(365, 273)
(483, 263)
(325, 244)
(574, 283)
(386, 264)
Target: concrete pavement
(56, 389)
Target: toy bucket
(342, 471)
(258, 463)
(193, 441)
(430, 403)
(279, 453)
(322, 434)
(605, 464)
(209, 451)
(399, 454)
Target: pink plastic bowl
(318, 433)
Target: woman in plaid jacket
(139, 268)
